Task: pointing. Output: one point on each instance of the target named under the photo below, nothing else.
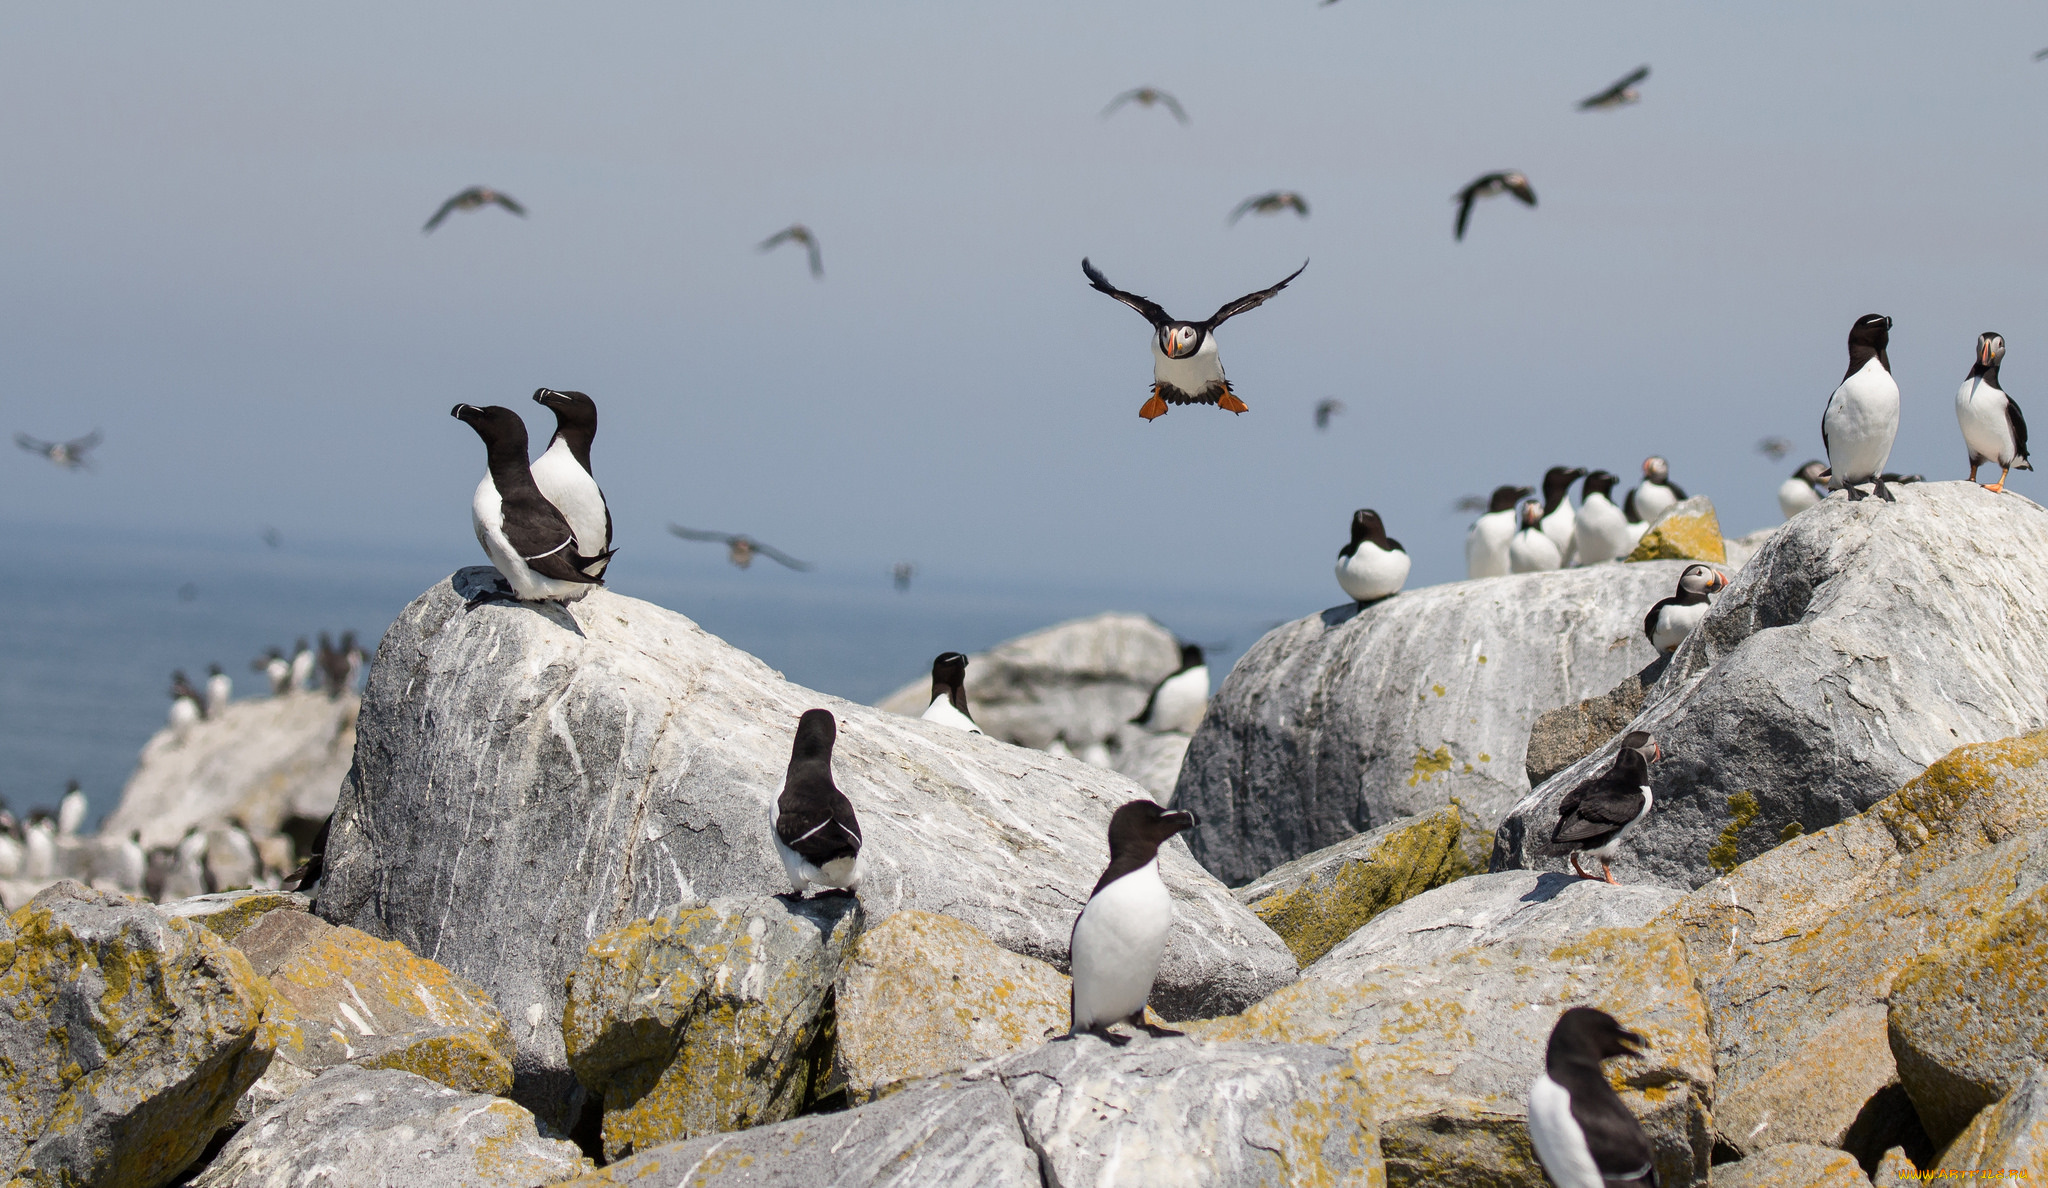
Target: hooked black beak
(1181, 820)
(461, 411)
(540, 396)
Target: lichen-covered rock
(1895, 1170)
(2009, 1136)
(1688, 531)
(1968, 801)
(1793, 1165)
(924, 994)
(125, 1040)
(1569, 733)
(1341, 722)
(1316, 901)
(1154, 760)
(227, 914)
(708, 1019)
(376, 1128)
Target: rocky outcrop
(529, 778)
(2010, 1136)
(1569, 733)
(1687, 531)
(1968, 801)
(1154, 760)
(1861, 643)
(923, 995)
(227, 914)
(370, 1128)
(126, 1040)
(1793, 1165)
(707, 1019)
(1341, 722)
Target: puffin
(1583, 1134)
(1621, 94)
(1557, 508)
(1185, 366)
(1486, 186)
(1180, 698)
(524, 535)
(1596, 815)
(1486, 544)
(816, 833)
(1993, 429)
(1531, 550)
(68, 454)
(474, 198)
(1121, 932)
(1600, 530)
(1373, 566)
(1656, 494)
(1272, 203)
(1862, 417)
(1673, 618)
(949, 693)
(1146, 97)
(799, 234)
(562, 472)
(1803, 489)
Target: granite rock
(1154, 760)
(227, 914)
(1793, 1165)
(1687, 531)
(2009, 1136)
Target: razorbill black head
(1598, 482)
(1993, 429)
(1593, 817)
(1557, 483)
(1121, 932)
(1486, 543)
(563, 474)
(1486, 186)
(1583, 1134)
(816, 833)
(1862, 417)
(526, 537)
(1505, 498)
(949, 693)
(1185, 366)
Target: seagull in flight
(797, 233)
(1272, 203)
(1146, 97)
(1326, 408)
(740, 548)
(1486, 187)
(68, 454)
(474, 198)
(1621, 94)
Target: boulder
(369, 1128)
(1793, 1165)
(1081, 680)
(2010, 1136)
(924, 994)
(227, 914)
(1687, 531)
(1895, 1170)
(1862, 642)
(1739, 550)
(529, 778)
(1316, 901)
(1968, 801)
(1341, 722)
(1569, 733)
(1153, 760)
(707, 1019)
(126, 1040)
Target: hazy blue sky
(210, 219)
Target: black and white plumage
(474, 198)
(1374, 565)
(1147, 97)
(523, 534)
(1486, 542)
(1121, 932)
(949, 693)
(1595, 816)
(816, 833)
(71, 810)
(68, 454)
(1326, 408)
(219, 688)
(563, 474)
(1583, 1134)
(1487, 186)
(301, 676)
(1185, 366)
(1804, 489)
(333, 667)
(1600, 530)
(188, 706)
(740, 548)
(1993, 429)
(1531, 550)
(1180, 698)
(1862, 417)
(1621, 94)
(1673, 618)
(797, 233)
(1558, 518)
(1270, 204)
(276, 669)
(1655, 495)
(309, 872)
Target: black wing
(34, 445)
(1466, 197)
(1249, 301)
(2018, 425)
(1676, 490)
(778, 555)
(506, 202)
(817, 260)
(724, 538)
(1628, 506)
(1600, 808)
(1173, 105)
(79, 445)
(1650, 620)
(1144, 305)
(1614, 1138)
(442, 213)
(820, 832)
(538, 533)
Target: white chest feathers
(1795, 495)
(1558, 526)
(942, 711)
(1980, 410)
(1371, 572)
(1600, 532)
(1674, 623)
(1532, 552)
(1558, 1139)
(564, 483)
(1653, 500)
(1860, 424)
(1180, 701)
(1486, 545)
(1195, 374)
(1116, 947)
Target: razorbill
(1595, 816)
(1179, 700)
(1374, 565)
(949, 693)
(1862, 417)
(1600, 530)
(1121, 932)
(1486, 543)
(474, 198)
(524, 535)
(1656, 494)
(309, 872)
(1530, 550)
(816, 833)
(1185, 366)
(1557, 506)
(186, 706)
(40, 863)
(1673, 618)
(219, 687)
(740, 549)
(302, 666)
(1582, 1132)
(276, 669)
(1803, 489)
(71, 810)
(1621, 94)
(562, 472)
(129, 865)
(1993, 428)
(1486, 186)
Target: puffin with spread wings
(1185, 366)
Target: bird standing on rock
(562, 472)
(1803, 489)
(1674, 618)
(1993, 429)
(949, 693)
(1180, 699)
(1656, 494)
(1373, 566)
(1862, 417)
(1583, 1134)
(1600, 530)
(71, 810)
(1121, 932)
(1596, 815)
(1557, 506)
(1486, 543)
(219, 688)
(1531, 550)
(524, 535)
(816, 833)
(1185, 366)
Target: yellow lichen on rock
(227, 914)
(1688, 532)
(1969, 800)
(1315, 901)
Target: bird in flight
(1147, 97)
(1272, 203)
(474, 198)
(1774, 448)
(901, 575)
(1621, 94)
(797, 233)
(740, 548)
(2040, 54)
(1185, 366)
(68, 454)
(1486, 187)
(1326, 408)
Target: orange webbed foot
(1153, 408)
(1230, 403)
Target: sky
(210, 216)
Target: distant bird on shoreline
(797, 233)
(1374, 565)
(68, 454)
(949, 693)
(1146, 97)
(1621, 94)
(741, 547)
(1185, 366)
(1488, 186)
(474, 198)
(1271, 204)
(1325, 409)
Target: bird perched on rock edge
(1672, 619)
(1594, 817)
(1374, 565)
(526, 537)
(1862, 417)
(816, 833)
(1993, 429)
(1121, 932)
(949, 693)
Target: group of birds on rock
(334, 669)
(28, 849)
(1518, 534)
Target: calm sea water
(87, 649)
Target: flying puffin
(1486, 187)
(474, 198)
(1120, 934)
(1180, 698)
(1373, 566)
(1656, 494)
(1803, 489)
(1531, 550)
(1596, 815)
(524, 535)
(740, 548)
(1185, 366)
(949, 693)
(1862, 417)
(1621, 94)
(1583, 1134)
(799, 234)
(1269, 204)
(1557, 508)
(1993, 428)
(1673, 618)
(562, 472)
(816, 834)
(1146, 97)
(1600, 530)
(68, 454)
(1486, 544)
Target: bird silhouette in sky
(900, 574)
(1269, 204)
(797, 233)
(1487, 186)
(740, 548)
(1621, 94)
(68, 454)
(1147, 97)
(1325, 409)
(474, 198)
(1774, 448)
